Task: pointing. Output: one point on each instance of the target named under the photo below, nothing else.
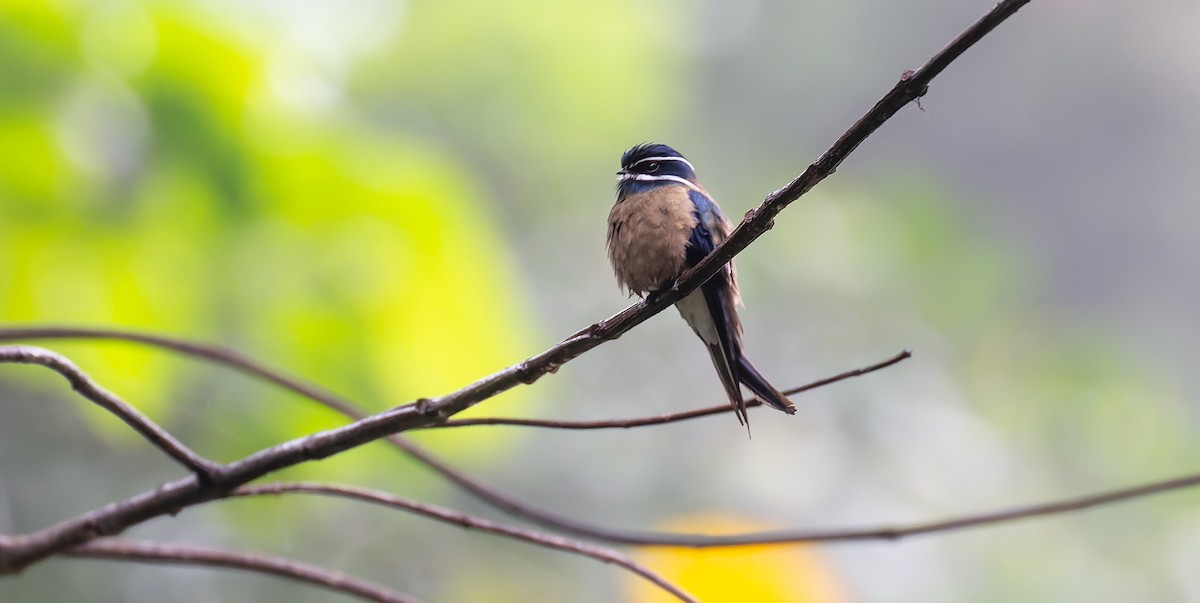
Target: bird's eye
(652, 167)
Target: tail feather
(729, 379)
(758, 384)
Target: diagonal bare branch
(443, 514)
(136, 550)
(80, 382)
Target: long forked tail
(758, 384)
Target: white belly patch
(694, 310)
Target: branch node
(437, 413)
(598, 330)
(752, 214)
(908, 75)
(527, 374)
(208, 473)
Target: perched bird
(663, 223)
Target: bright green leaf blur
(162, 170)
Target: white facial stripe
(681, 159)
(658, 178)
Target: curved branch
(896, 533)
(668, 418)
(19, 551)
(213, 353)
(451, 516)
(135, 550)
(790, 536)
(80, 382)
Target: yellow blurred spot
(793, 573)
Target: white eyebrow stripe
(667, 158)
(659, 178)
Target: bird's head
(647, 165)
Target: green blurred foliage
(154, 176)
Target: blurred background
(392, 199)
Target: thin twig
(895, 533)
(19, 551)
(666, 418)
(136, 550)
(668, 539)
(443, 514)
(80, 382)
(213, 353)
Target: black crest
(653, 159)
(644, 150)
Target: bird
(664, 222)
